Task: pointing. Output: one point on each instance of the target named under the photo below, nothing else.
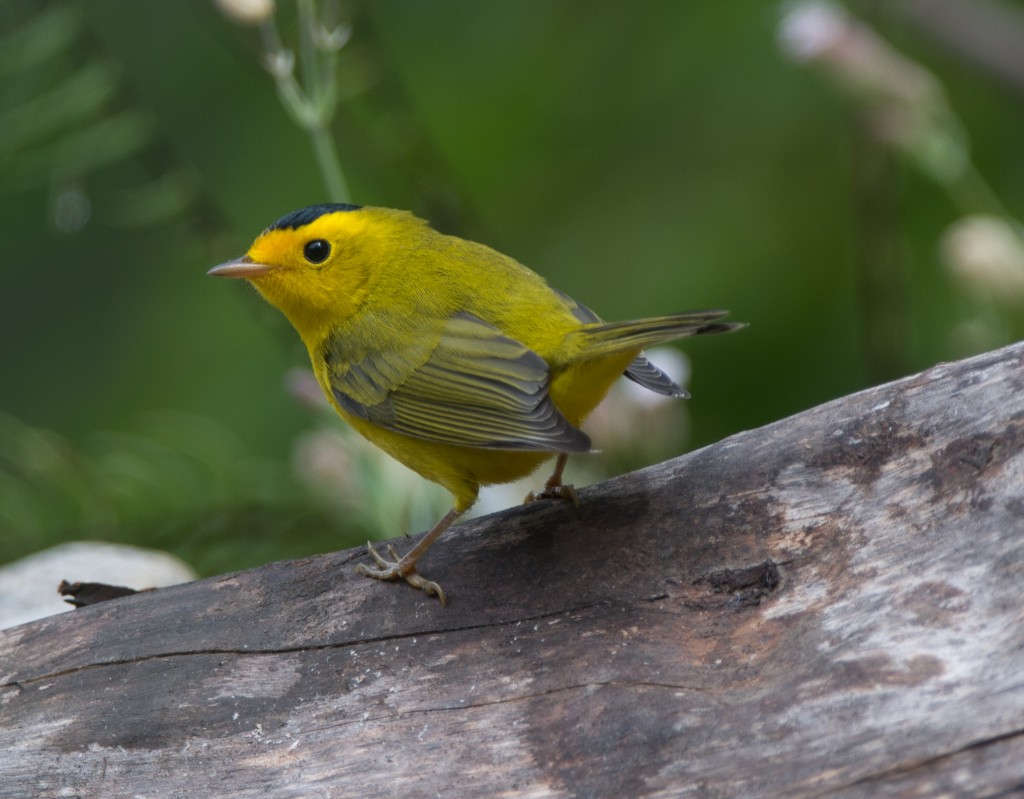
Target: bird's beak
(240, 267)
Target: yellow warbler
(453, 358)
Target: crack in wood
(909, 766)
(22, 682)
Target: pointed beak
(243, 267)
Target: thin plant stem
(330, 165)
(312, 103)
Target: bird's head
(316, 264)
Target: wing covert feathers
(471, 386)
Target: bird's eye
(316, 251)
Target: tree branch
(827, 606)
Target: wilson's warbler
(451, 357)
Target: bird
(456, 360)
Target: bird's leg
(554, 488)
(405, 567)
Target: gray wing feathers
(470, 386)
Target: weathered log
(827, 606)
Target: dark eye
(316, 251)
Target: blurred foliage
(174, 482)
(645, 158)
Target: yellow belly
(462, 470)
(579, 388)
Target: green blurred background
(645, 157)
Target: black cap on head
(304, 216)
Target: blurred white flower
(986, 254)
(633, 419)
(246, 12)
(356, 476)
(632, 425)
(71, 209)
(323, 460)
(810, 29)
(301, 384)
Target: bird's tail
(606, 338)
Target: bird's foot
(566, 493)
(399, 569)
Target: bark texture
(827, 606)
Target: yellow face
(315, 272)
(312, 247)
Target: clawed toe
(428, 587)
(396, 569)
(554, 488)
(566, 493)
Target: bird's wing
(467, 384)
(640, 370)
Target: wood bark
(827, 606)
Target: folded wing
(465, 384)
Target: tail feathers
(646, 374)
(605, 338)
